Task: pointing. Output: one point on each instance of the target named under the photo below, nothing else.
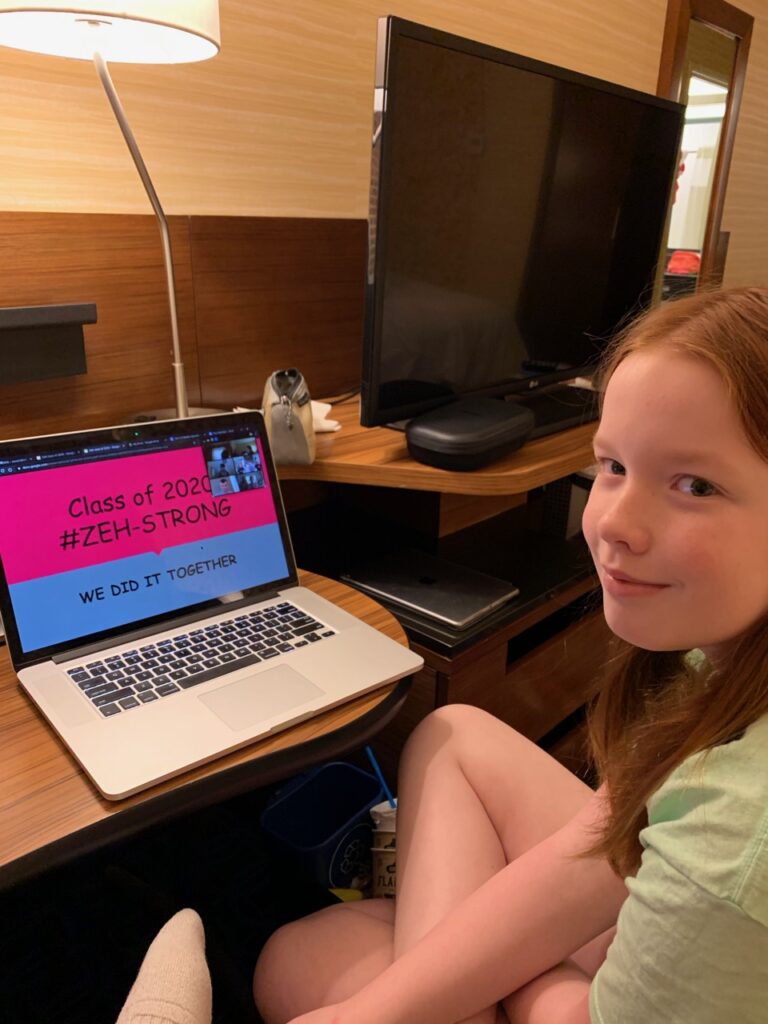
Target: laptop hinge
(163, 627)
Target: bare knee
(446, 729)
(322, 958)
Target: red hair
(654, 710)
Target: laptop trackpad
(248, 701)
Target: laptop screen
(106, 531)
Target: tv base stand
(558, 408)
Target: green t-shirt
(692, 939)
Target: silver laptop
(434, 587)
(151, 603)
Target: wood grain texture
(277, 292)
(379, 456)
(117, 262)
(45, 798)
(279, 123)
(254, 295)
(537, 692)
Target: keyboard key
(309, 627)
(301, 643)
(211, 662)
(145, 698)
(312, 637)
(284, 648)
(220, 670)
(78, 676)
(159, 680)
(166, 689)
(118, 695)
(269, 654)
(227, 657)
(177, 673)
(143, 687)
(110, 709)
(328, 632)
(129, 702)
(100, 689)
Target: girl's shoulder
(709, 820)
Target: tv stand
(558, 408)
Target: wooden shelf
(378, 456)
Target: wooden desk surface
(50, 812)
(378, 456)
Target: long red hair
(655, 710)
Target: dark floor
(71, 942)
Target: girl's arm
(526, 919)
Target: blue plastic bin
(321, 819)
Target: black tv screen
(517, 212)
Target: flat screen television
(516, 218)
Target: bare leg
(473, 795)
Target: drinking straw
(380, 777)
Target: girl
(524, 896)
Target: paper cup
(384, 872)
(383, 839)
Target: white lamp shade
(128, 31)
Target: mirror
(703, 64)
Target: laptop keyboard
(156, 670)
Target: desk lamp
(132, 32)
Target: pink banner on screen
(56, 520)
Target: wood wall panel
(254, 295)
(279, 123)
(745, 214)
(115, 261)
(277, 292)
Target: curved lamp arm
(180, 384)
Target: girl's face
(677, 521)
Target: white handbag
(287, 412)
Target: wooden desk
(50, 812)
(378, 456)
